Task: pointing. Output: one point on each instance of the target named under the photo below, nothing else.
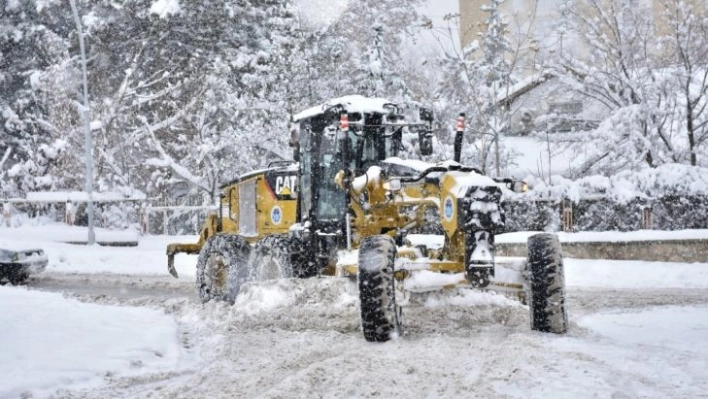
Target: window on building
(566, 108)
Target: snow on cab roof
(352, 104)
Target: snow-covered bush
(675, 194)
(669, 179)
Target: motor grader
(349, 206)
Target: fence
(672, 212)
(151, 216)
(158, 216)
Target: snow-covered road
(298, 338)
(304, 341)
(637, 330)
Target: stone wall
(688, 251)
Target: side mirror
(425, 142)
(295, 141)
(425, 115)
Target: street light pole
(86, 111)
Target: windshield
(372, 146)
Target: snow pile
(49, 342)
(298, 305)
(466, 297)
(670, 179)
(256, 299)
(332, 304)
(426, 280)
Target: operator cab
(350, 133)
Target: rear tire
(547, 283)
(221, 267)
(380, 317)
(273, 258)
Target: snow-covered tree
(32, 47)
(361, 51)
(181, 88)
(650, 79)
(686, 41)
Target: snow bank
(65, 233)
(148, 258)
(49, 342)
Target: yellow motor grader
(349, 206)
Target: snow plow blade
(174, 249)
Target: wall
(657, 251)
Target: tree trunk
(690, 131)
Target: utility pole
(86, 112)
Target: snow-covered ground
(637, 330)
(531, 158)
(147, 258)
(49, 342)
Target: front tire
(221, 266)
(547, 283)
(380, 317)
(18, 277)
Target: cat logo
(285, 185)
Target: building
(536, 27)
(542, 103)
(533, 26)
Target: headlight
(392, 185)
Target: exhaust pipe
(458, 136)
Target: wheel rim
(215, 274)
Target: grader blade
(174, 249)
